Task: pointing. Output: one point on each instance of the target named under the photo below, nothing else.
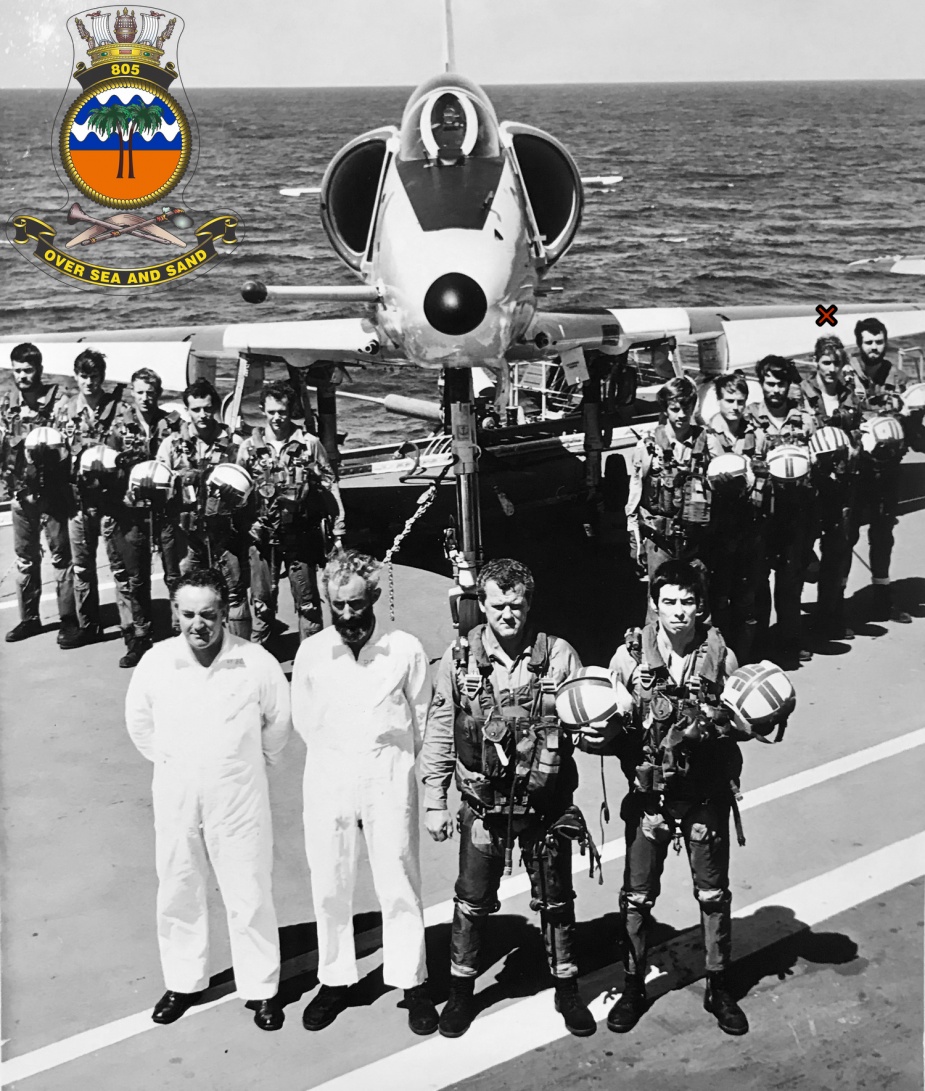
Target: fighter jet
(451, 222)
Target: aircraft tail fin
(449, 42)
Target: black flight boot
(631, 1006)
(135, 648)
(460, 1009)
(719, 1002)
(574, 1011)
(30, 627)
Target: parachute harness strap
(423, 504)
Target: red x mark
(826, 315)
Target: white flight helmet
(233, 483)
(45, 445)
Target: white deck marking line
(52, 596)
(88, 1041)
(808, 778)
(518, 1028)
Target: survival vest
(201, 509)
(795, 429)
(511, 755)
(754, 503)
(287, 484)
(685, 751)
(23, 479)
(675, 500)
(136, 444)
(880, 395)
(847, 413)
(84, 427)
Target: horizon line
(527, 83)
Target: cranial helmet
(829, 442)
(232, 482)
(789, 462)
(98, 459)
(760, 697)
(730, 472)
(45, 445)
(151, 480)
(882, 436)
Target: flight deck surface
(827, 894)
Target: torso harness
(687, 752)
(675, 495)
(25, 479)
(512, 757)
(202, 509)
(96, 489)
(287, 484)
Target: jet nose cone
(455, 304)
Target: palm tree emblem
(125, 121)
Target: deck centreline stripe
(89, 1041)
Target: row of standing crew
(281, 512)
(820, 456)
(742, 529)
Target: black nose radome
(455, 304)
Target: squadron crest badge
(125, 142)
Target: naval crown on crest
(119, 46)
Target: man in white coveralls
(211, 711)
(360, 694)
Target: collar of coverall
(49, 390)
(494, 650)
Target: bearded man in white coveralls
(359, 700)
(211, 711)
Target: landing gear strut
(464, 545)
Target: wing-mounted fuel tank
(350, 193)
(552, 188)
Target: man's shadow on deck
(769, 946)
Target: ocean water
(732, 194)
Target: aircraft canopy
(447, 125)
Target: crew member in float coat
(211, 711)
(39, 491)
(359, 699)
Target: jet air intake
(350, 194)
(552, 187)
(455, 304)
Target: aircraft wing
(181, 353)
(727, 337)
